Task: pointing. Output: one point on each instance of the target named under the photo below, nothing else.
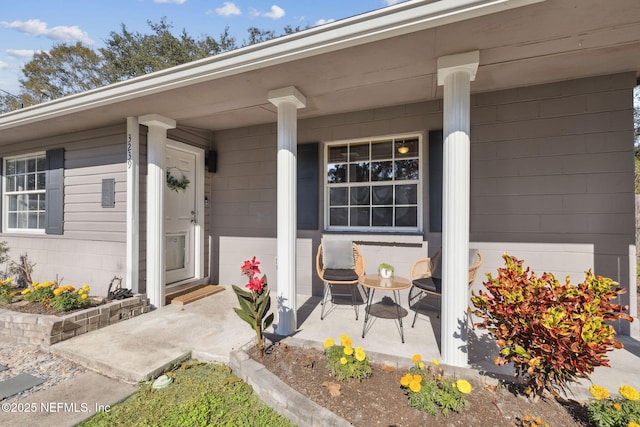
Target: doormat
(194, 294)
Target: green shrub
(552, 333)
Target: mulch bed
(380, 401)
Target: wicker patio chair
(426, 278)
(334, 278)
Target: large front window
(374, 184)
(25, 186)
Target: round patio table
(373, 283)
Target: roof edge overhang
(400, 19)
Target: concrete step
(125, 360)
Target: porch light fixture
(403, 149)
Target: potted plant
(385, 270)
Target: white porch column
(633, 328)
(133, 203)
(456, 72)
(156, 158)
(288, 100)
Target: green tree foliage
(72, 68)
(64, 70)
(10, 102)
(257, 35)
(129, 54)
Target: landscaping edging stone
(293, 405)
(44, 330)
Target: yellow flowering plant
(607, 411)
(7, 290)
(39, 292)
(68, 298)
(428, 390)
(346, 362)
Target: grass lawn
(200, 395)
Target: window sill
(22, 233)
(381, 238)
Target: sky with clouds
(29, 26)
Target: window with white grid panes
(25, 187)
(374, 184)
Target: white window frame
(7, 194)
(420, 182)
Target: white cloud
(36, 27)
(323, 21)
(23, 53)
(170, 1)
(3, 65)
(276, 12)
(228, 9)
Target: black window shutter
(307, 171)
(435, 180)
(54, 200)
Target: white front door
(180, 214)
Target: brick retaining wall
(44, 330)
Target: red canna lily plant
(256, 302)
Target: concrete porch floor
(209, 329)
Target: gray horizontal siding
(97, 157)
(554, 162)
(197, 137)
(92, 249)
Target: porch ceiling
(549, 41)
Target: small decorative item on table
(385, 271)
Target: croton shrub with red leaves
(552, 333)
